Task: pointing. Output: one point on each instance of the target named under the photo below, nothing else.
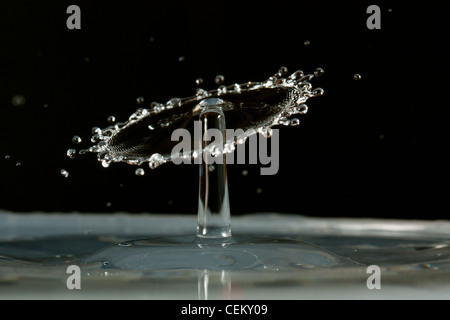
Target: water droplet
(199, 81)
(96, 130)
(71, 153)
(219, 79)
(284, 121)
(155, 161)
(222, 90)
(151, 39)
(18, 164)
(295, 122)
(105, 163)
(244, 173)
(140, 100)
(318, 92)
(76, 139)
(45, 105)
(181, 58)
(307, 43)
(108, 204)
(111, 119)
(259, 191)
(283, 71)
(64, 173)
(139, 172)
(18, 100)
(106, 264)
(211, 168)
(318, 72)
(199, 92)
(150, 127)
(357, 76)
(265, 132)
(7, 157)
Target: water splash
(254, 107)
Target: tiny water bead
(219, 79)
(71, 153)
(18, 164)
(140, 100)
(18, 100)
(357, 76)
(111, 119)
(244, 173)
(64, 173)
(199, 81)
(7, 157)
(76, 139)
(139, 172)
(318, 72)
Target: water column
(213, 202)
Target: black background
(368, 148)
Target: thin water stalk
(213, 201)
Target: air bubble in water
(318, 72)
(357, 76)
(71, 153)
(219, 79)
(64, 173)
(199, 81)
(139, 172)
(76, 139)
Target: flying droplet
(140, 100)
(64, 173)
(357, 76)
(244, 173)
(295, 122)
(139, 172)
(219, 79)
(18, 100)
(259, 191)
(283, 70)
(7, 157)
(211, 168)
(76, 139)
(18, 164)
(111, 119)
(181, 58)
(307, 43)
(199, 81)
(71, 153)
(318, 72)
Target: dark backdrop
(368, 148)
